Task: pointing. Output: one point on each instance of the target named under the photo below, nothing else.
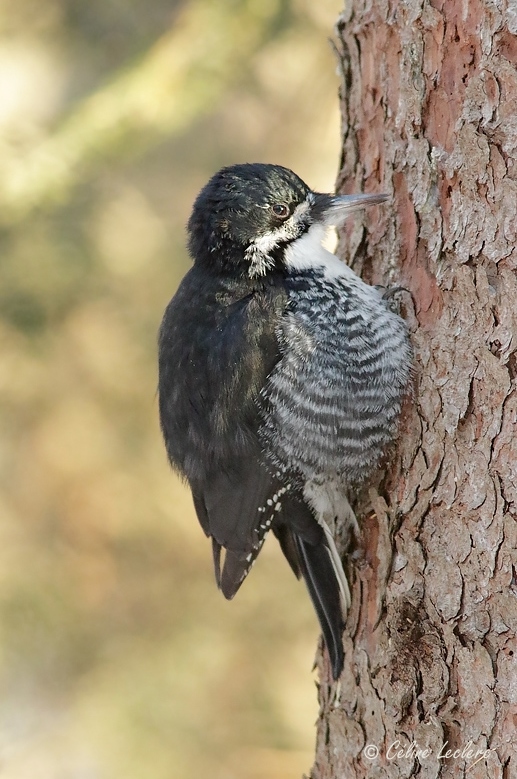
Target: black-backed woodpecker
(281, 378)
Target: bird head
(248, 215)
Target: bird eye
(280, 210)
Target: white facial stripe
(302, 208)
(257, 254)
(259, 251)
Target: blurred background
(118, 656)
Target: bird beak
(334, 209)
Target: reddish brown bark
(429, 105)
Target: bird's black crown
(239, 205)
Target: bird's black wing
(217, 346)
(236, 510)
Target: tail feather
(318, 571)
(288, 546)
(337, 565)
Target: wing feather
(236, 510)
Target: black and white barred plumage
(281, 379)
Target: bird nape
(281, 378)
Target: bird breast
(333, 399)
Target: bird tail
(317, 567)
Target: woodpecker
(281, 379)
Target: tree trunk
(429, 106)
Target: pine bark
(429, 106)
